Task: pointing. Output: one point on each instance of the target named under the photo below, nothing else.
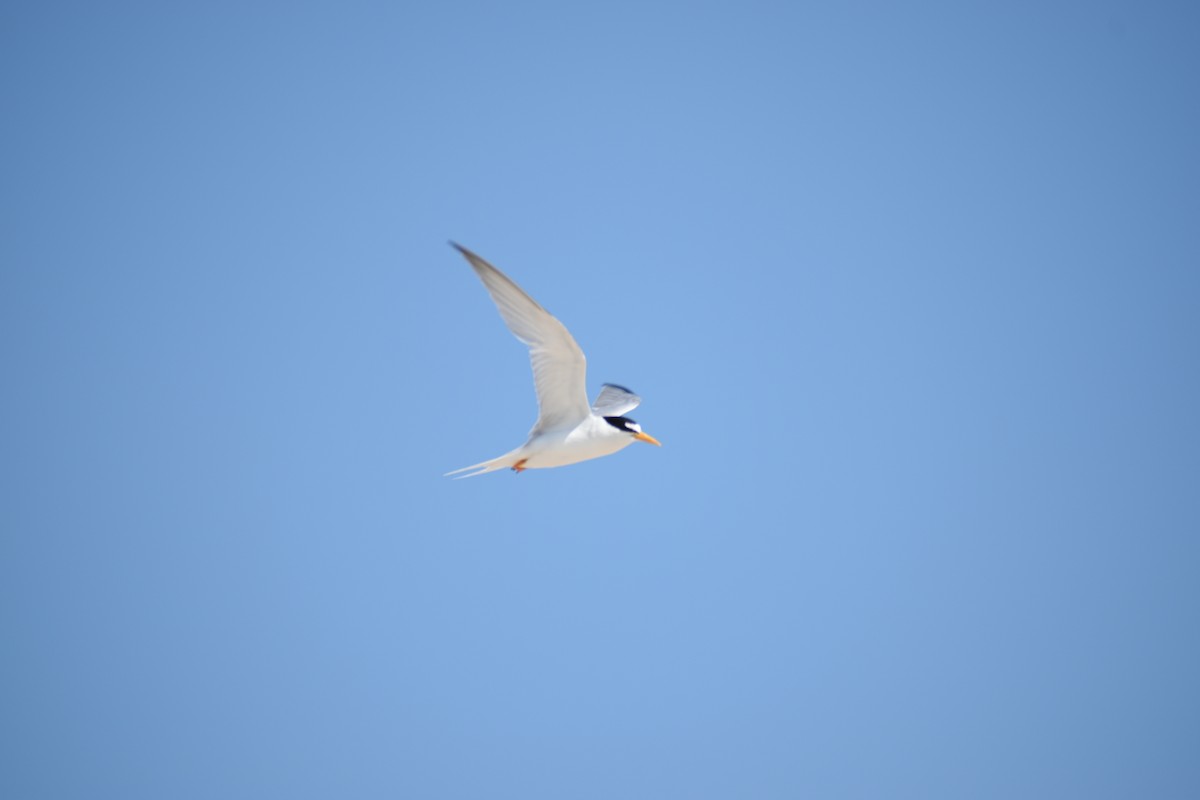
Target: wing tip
(476, 261)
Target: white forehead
(633, 426)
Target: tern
(567, 430)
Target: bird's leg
(519, 467)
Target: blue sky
(910, 292)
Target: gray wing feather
(559, 368)
(615, 401)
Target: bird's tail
(506, 460)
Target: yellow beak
(645, 437)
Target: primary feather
(559, 368)
(615, 401)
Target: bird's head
(632, 428)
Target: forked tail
(504, 461)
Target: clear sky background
(911, 291)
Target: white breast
(592, 438)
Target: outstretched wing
(615, 401)
(559, 368)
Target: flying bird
(567, 430)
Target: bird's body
(589, 439)
(568, 429)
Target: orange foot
(519, 467)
